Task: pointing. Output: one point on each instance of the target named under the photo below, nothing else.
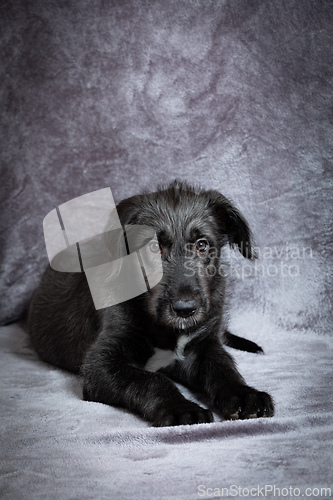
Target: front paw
(244, 402)
(186, 413)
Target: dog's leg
(110, 378)
(212, 371)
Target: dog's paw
(186, 413)
(244, 402)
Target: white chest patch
(164, 357)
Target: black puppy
(128, 353)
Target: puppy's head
(191, 227)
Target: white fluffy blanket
(56, 446)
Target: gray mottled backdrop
(235, 95)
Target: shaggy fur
(129, 354)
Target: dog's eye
(154, 247)
(202, 246)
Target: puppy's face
(190, 253)
(191, 227)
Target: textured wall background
(235, 95)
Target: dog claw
(187, 414)
(235, 415)
(249, 403)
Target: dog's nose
(185, 307)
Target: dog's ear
(129, 209)
(232, 223)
